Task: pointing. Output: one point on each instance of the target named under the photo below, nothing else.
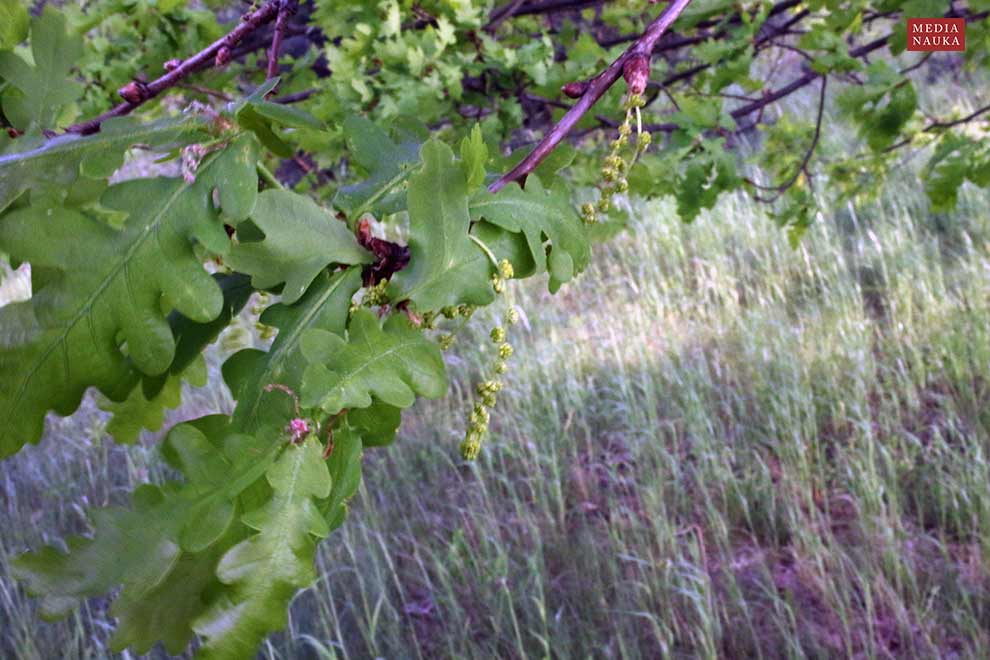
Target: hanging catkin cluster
(616, 166)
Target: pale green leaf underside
(301, 239)
(54, 164)
(266, 569)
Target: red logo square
(936, 34)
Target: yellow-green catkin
(431, 321)
(487, 390)
(616, 167)
(377, 295)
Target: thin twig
(145, 92)
(500, 14)
(949, 124)
(285, 9)
(937, 125)
(810, 76)
(206, 91)
(782, 188)
(294, 98)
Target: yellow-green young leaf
(393, 363)
(474, 155)
(52, 166)
(265, 570)
(539, 213)
(249, 372)
(14, 21)
(301, 239)
(43, 88)
(102, 294)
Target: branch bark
(218, 50)
(597, 86)
(285, 9)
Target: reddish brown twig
(217, 52)
(597, 87)
(803, 167)
(285, 9)
(501, 14)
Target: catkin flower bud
(498, 335)
(505, 269)
(481, 415)
(222, 58)
(505, 351)
(512, 317)
(588, 213)
(470, 448)
(636, 71)
(446, 341)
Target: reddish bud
(223, 57)
(576, 89)
(132, 92)
(172, 65)
(298, 429)
(636, 71)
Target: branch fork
(218, 53)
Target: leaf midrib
(84, 310)
(291, 340)
(404, 343)
(83, 143)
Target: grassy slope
(713, 444)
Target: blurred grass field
(714, 444)
(711, 445)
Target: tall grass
(711, 445)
